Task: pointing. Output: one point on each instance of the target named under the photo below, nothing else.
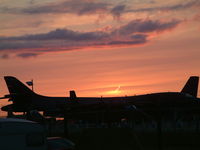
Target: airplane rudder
(15, 86)
(191, 86)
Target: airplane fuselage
(25, 100)
(147, 101)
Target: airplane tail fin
(16, 87)
(72, 95)
(191, 86)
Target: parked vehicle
(20, 134)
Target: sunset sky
(100, 47)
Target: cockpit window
(188, 95)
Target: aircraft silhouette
(24, 100)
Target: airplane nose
(9, 107)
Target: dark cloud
(32, 1)
(139, 37)
(85, 7)
(131, 42)
(65, 34)
(193, 3)
(144, 26)
(4, 56)
(133, 33)
(117, 11)
(72, 6)
(27, 55)
(180, 6)
(10, 44)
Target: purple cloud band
(134, 33)
(85, 7)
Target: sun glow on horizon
(117, 91)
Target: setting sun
(114, 92)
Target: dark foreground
(128, 139)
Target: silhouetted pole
(197, 123)
(10, 113)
